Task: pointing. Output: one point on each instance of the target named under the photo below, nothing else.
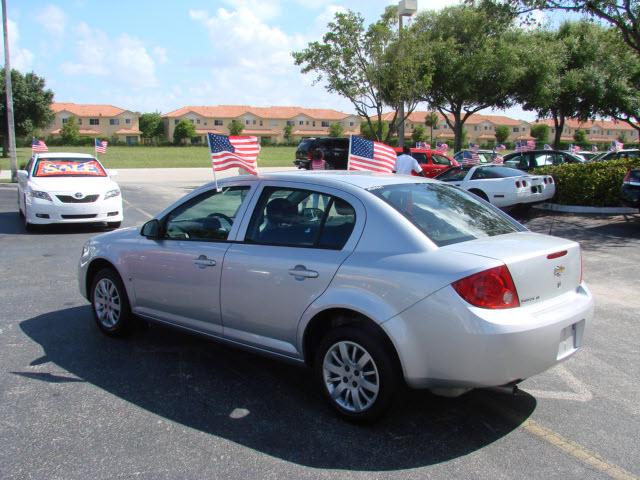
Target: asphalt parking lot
(75, 404)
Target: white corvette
(68, 188)
(502, 186)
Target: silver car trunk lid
(542, 266)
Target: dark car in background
(627, 154)
(335, 151)
(631, 189)
(539, 158)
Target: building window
(94, 121)
(192, 120)
(176, 121)
(218, 123)
(246, 122)
(608, 132)
(325, 124)
(114, 121)
(291, 123)
(301, 122)
(127, 121)
(198, 121)
(475, 129)
(314, 123)
(351, 124)
(79, 121)
(274, 124)
(516, 129)
(254, 122)
(65, 120)
(260, 122)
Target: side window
(300, 218)
(440, 160)
(420, 157)
(209, 216)
(544, 159)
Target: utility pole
(406, 8)
(7, 77)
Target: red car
(432, 162)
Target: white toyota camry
(68, 188)
(502, 186)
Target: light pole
(406, 8)
(7, 77)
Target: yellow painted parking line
(138, 209)
(577, 451)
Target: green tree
(477, 62)
(540, 131)
(70, 132)
(371, 130)
(183, 131)
(235, 127)
(561, 67)
(31, 105)
(370, 66)
(287, 133)
(418, 133)
(336, 129)
(580, 136)
(431, 120)
(151, 125)
(502, 133)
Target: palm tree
(431, 120)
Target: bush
(592, 184)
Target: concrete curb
(555, 207)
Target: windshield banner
(48, 168)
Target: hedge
(595, 184)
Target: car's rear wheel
(356, 372)
(110, 303)
(479, 193)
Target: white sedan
(68, 188)
(502, 186)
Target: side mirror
(22, 174)
(112, 173)
(151, 229)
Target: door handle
(203, 262)
(300, 272)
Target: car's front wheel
(110, 303)
(357, 373)
(114, 224)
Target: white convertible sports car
(502, 186)
(68, 188)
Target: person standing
(317, 160)
(405, 163)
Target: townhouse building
(598, 131)
(100, 121)
(264, 122)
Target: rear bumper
(303, 164)
(631, 196)
(444, 342)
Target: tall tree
(235, 127)
(561, 71)
(70, 131)
(31, 104)
(336, 129)
(502, 133)
(151, 125)
(418, 133)
(431, 120)
(370, 66)
(477, 62)
(183, 131)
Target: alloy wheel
(107, 303)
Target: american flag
(594, 148)
(368, 155)
(575, 148)
(616, 146)
(234, 152)
(547, 146)
(500, 148)
(38, 146)
(498, 159)
(424, 145)
(101, 146)
(525, 146)
(443, 148)
(474, 152)
(468, 158)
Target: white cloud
(53, 20)
(160, 54)
(21, 58)
(265, 10)
(126, 58)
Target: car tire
(28, 226)
(110, 304)
(359, 392)
(114, 225)
(479, 193)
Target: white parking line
(138, 209)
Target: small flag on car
(369, 155)
(234, 152)
(38, 146)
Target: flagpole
(349, 154)
(95, 150)
(215, 178)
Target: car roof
(334, 178)
(64, 155)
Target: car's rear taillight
(627, 177)
(493, 288)
(517, 183)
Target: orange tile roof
(124, 131)
(311, 132)
(574, 123)
(234, 111)
(87, 110)
(420, 116)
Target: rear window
(68, 167)
(306, 145)
(455, 174)
(634, 176)
(496, 172)
(446, 214)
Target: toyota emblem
(78, 195)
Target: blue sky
(147, 56)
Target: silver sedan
(371, 280)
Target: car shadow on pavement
(12, 224)
(269, 406)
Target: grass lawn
(162, 157)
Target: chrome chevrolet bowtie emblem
(78, 195)
(558, 270)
